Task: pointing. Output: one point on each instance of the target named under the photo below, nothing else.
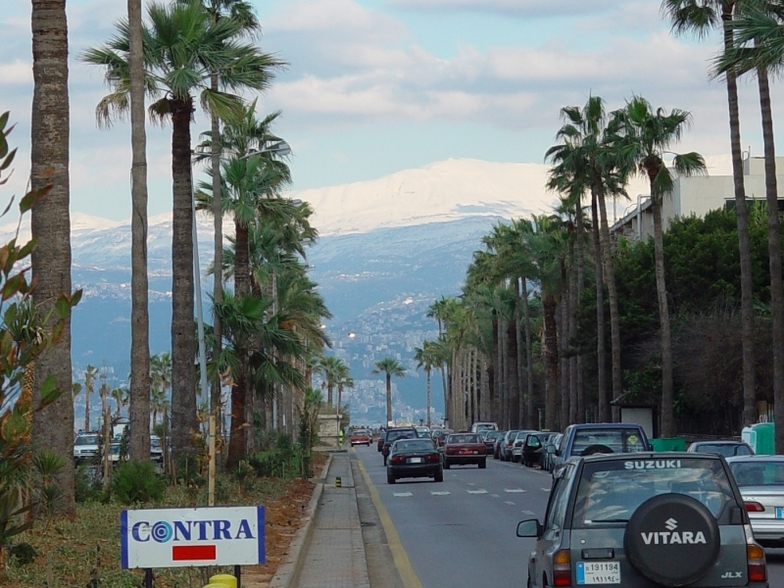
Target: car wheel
(439, 477)
(483, 464)
(385, 460)
(391, 478)
(672, 563)
(447, 465)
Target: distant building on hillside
(697, 196)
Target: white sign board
(180, 537)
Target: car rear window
(610, 492)
(392, 435)
(464, 439)
(360, 433)
(758, 473)
(618, 440)
(725, 449)
(414, 445)
(86, 440)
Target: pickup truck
(591, 438)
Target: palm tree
(760, 31)
(390, 367)
(700, 16)
(241, 12)
(331, 368)
(183, 47)
(90, 373)
(51, 226)
(427, 358)
(121, 397)
(140, 315)
(584, 162)
(644, 139)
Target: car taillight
(510, 443)
(397, 459)
(756, 562)
(451, 450)
(753, 506)
(432, 457)
(562, 568)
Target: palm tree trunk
(563, 382)
(579, 293)
(572, 330)
(609, 279)
(551, 361)
(529, 359)
(601, 346)
(519, 364)
(507, 387)
(183, 409)
(774, 255)
(428, 397)
(484, 383)
(667, 422)
(140, 317)
(389, 397)
(237, 428)
(744, 246)
(217, 283)
(241, 260)
(53, 427)
(498, 382)
(87, 408)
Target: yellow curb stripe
(404, 568)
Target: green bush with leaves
(136, 482)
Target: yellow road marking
(404, 568)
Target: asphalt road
(461, 533)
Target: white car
(760, 479)
(86, 446)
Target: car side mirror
(529, 528)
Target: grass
(85, 552)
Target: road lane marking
(407, 574)
(403, 493)
(529, 512)
(471, 484)
(546, 489)
(511, 490)
(440, 493)
(482, 491)
(509, 502)
(495, 496)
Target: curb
(290, 567)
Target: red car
(361, 437)
(465, 448)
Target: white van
(484, 426)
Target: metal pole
(199, 311)
(148, 579)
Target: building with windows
(697, 196)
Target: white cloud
(519, 8)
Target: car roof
(720, 442)
(605, 426)
(657, 455)
(753, 458)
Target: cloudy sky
(377, 86)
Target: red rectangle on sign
(193, 552)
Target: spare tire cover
(672, 539)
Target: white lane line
(529, 512)
(471, 484)
(546, 489)
(513, 490)
(509, 502)
(440, 493)
(495, 496)
(482, 491)
(403, 493)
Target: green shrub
(87, 484)
(137, 481)
(23, 554)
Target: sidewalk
(335, 554)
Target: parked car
(761, 482)
(489, 438)
(393, 435)
(414, 458)
(505, 447)
(647, 519)
(464, 449)
(497, 445)
(551, 450)
(156, 449)
(591, 438)
(517, 445)
(533, 448)
(727, 448)
(360, 437)
(423, 432)
(86, 447)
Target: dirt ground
(283, 518)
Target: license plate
(598, 572)
(780, 512)
(415, 460)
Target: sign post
(182, 537)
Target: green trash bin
(669, 444)
(761, 437)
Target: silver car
(761, 482)
(644, 520)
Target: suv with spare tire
(645, 520)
